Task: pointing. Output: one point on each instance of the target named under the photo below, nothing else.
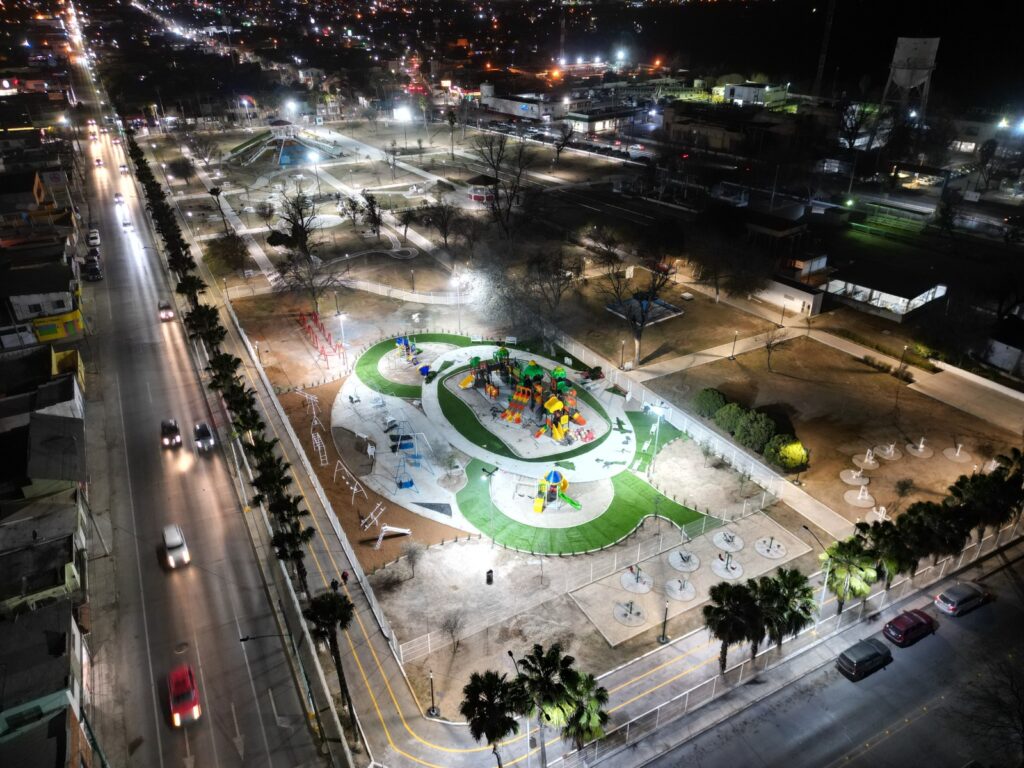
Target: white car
(93, 238)
(118, 198)
(174, 546)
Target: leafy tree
(289, 546)
(851, 570)
(370, 115)
(786, 451)
(890, 547)
(230, 249)
(183, 168)
(405, 218)
(223, 370)
(754, 430)
(215, 194)
(372, 214)
(728, 616)
(586, 718)
(490, 703)
(328, 613)
(708, 402)
(352, 208)
(729, 416)
(544, 676)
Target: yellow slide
(467, 382)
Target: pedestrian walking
(344, 578)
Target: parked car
(166, 310)
(92, 272)
(203, 436)
(861, 659)
(170, 434)
(909, 627)
(962, 597)
(175, 548)
(93, 238)
(184, 695)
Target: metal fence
(629, 733)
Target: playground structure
(551, 491)
(549, 398)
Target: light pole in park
(735, 335)
(341, 322)
(828, 565)
(659, 411)
(457, 281)
(313, 156)
(404, 116)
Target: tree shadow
(662, 349)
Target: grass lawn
(465, 420)
(643, 425)
(634, 499)
(369, 373)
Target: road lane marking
(138, 568)
(255, 697)
(209, 708)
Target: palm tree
(889, 546)
(989, 499)
(489, 704)
(328, 612)
(288, 544)
(586, 717)
(259, 447)
(756, 627)
(544, 675)
(727, 617)
(787, 604)
(203, 323)
(851, 570)
(223, 370)
(943, 530)
(190, 286)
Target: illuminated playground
(532, 452)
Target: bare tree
(413, 552)
(405, 218)
(990, 708)
(205, 147)
(470, 231)
(452, 625)
(507, 163)
(215, 193)
(183, 168)
(352, 208)
(265, 210)
(444, 217)
(550, 276)
(370, 115)
(772, 338)
(565, 133)
(635, 299)
(303, 270)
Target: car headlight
(177, 720)
(196, 712)
(166, 441)
(186, 557)
(170, 561)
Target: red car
(184, 695)
(909, 627)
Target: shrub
(728, 417)
(786, 451)
(708, 402)
(754, 430)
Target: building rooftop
(45, 278)
(56, 448)
(45, 744)
(886, 277)
(42, 520)
(34, 655)
(24, 370)
(34, 568)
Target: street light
(663, 637)
(899, 373)
(828, 565)
(404, 116)
(341, 321)
(457, 282)
(433, 711)
(313, 157)
(659, 411)
(526, 719)
(735, 335)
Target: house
(42, 552)
(40, 380)
(44, 658)
(46, 456)
(46, 296)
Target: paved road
(196, 614)
(902, 716)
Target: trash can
(490, 576)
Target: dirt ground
(839, 407)
(704, 324)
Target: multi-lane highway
(251, 713)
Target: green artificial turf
(634, 499)
(367, 365)
(251, 142)
(643, 426)
(465, 421)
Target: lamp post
(341, 322)
(457, 282)
(828, 565)
(433, 711)
(622, 352)
(256, 344)
(663, 637)
(735, 335)
(487, 477)
(412, 280)
(899, 372)
(659, 410)
(526, 720)
(313, 157)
